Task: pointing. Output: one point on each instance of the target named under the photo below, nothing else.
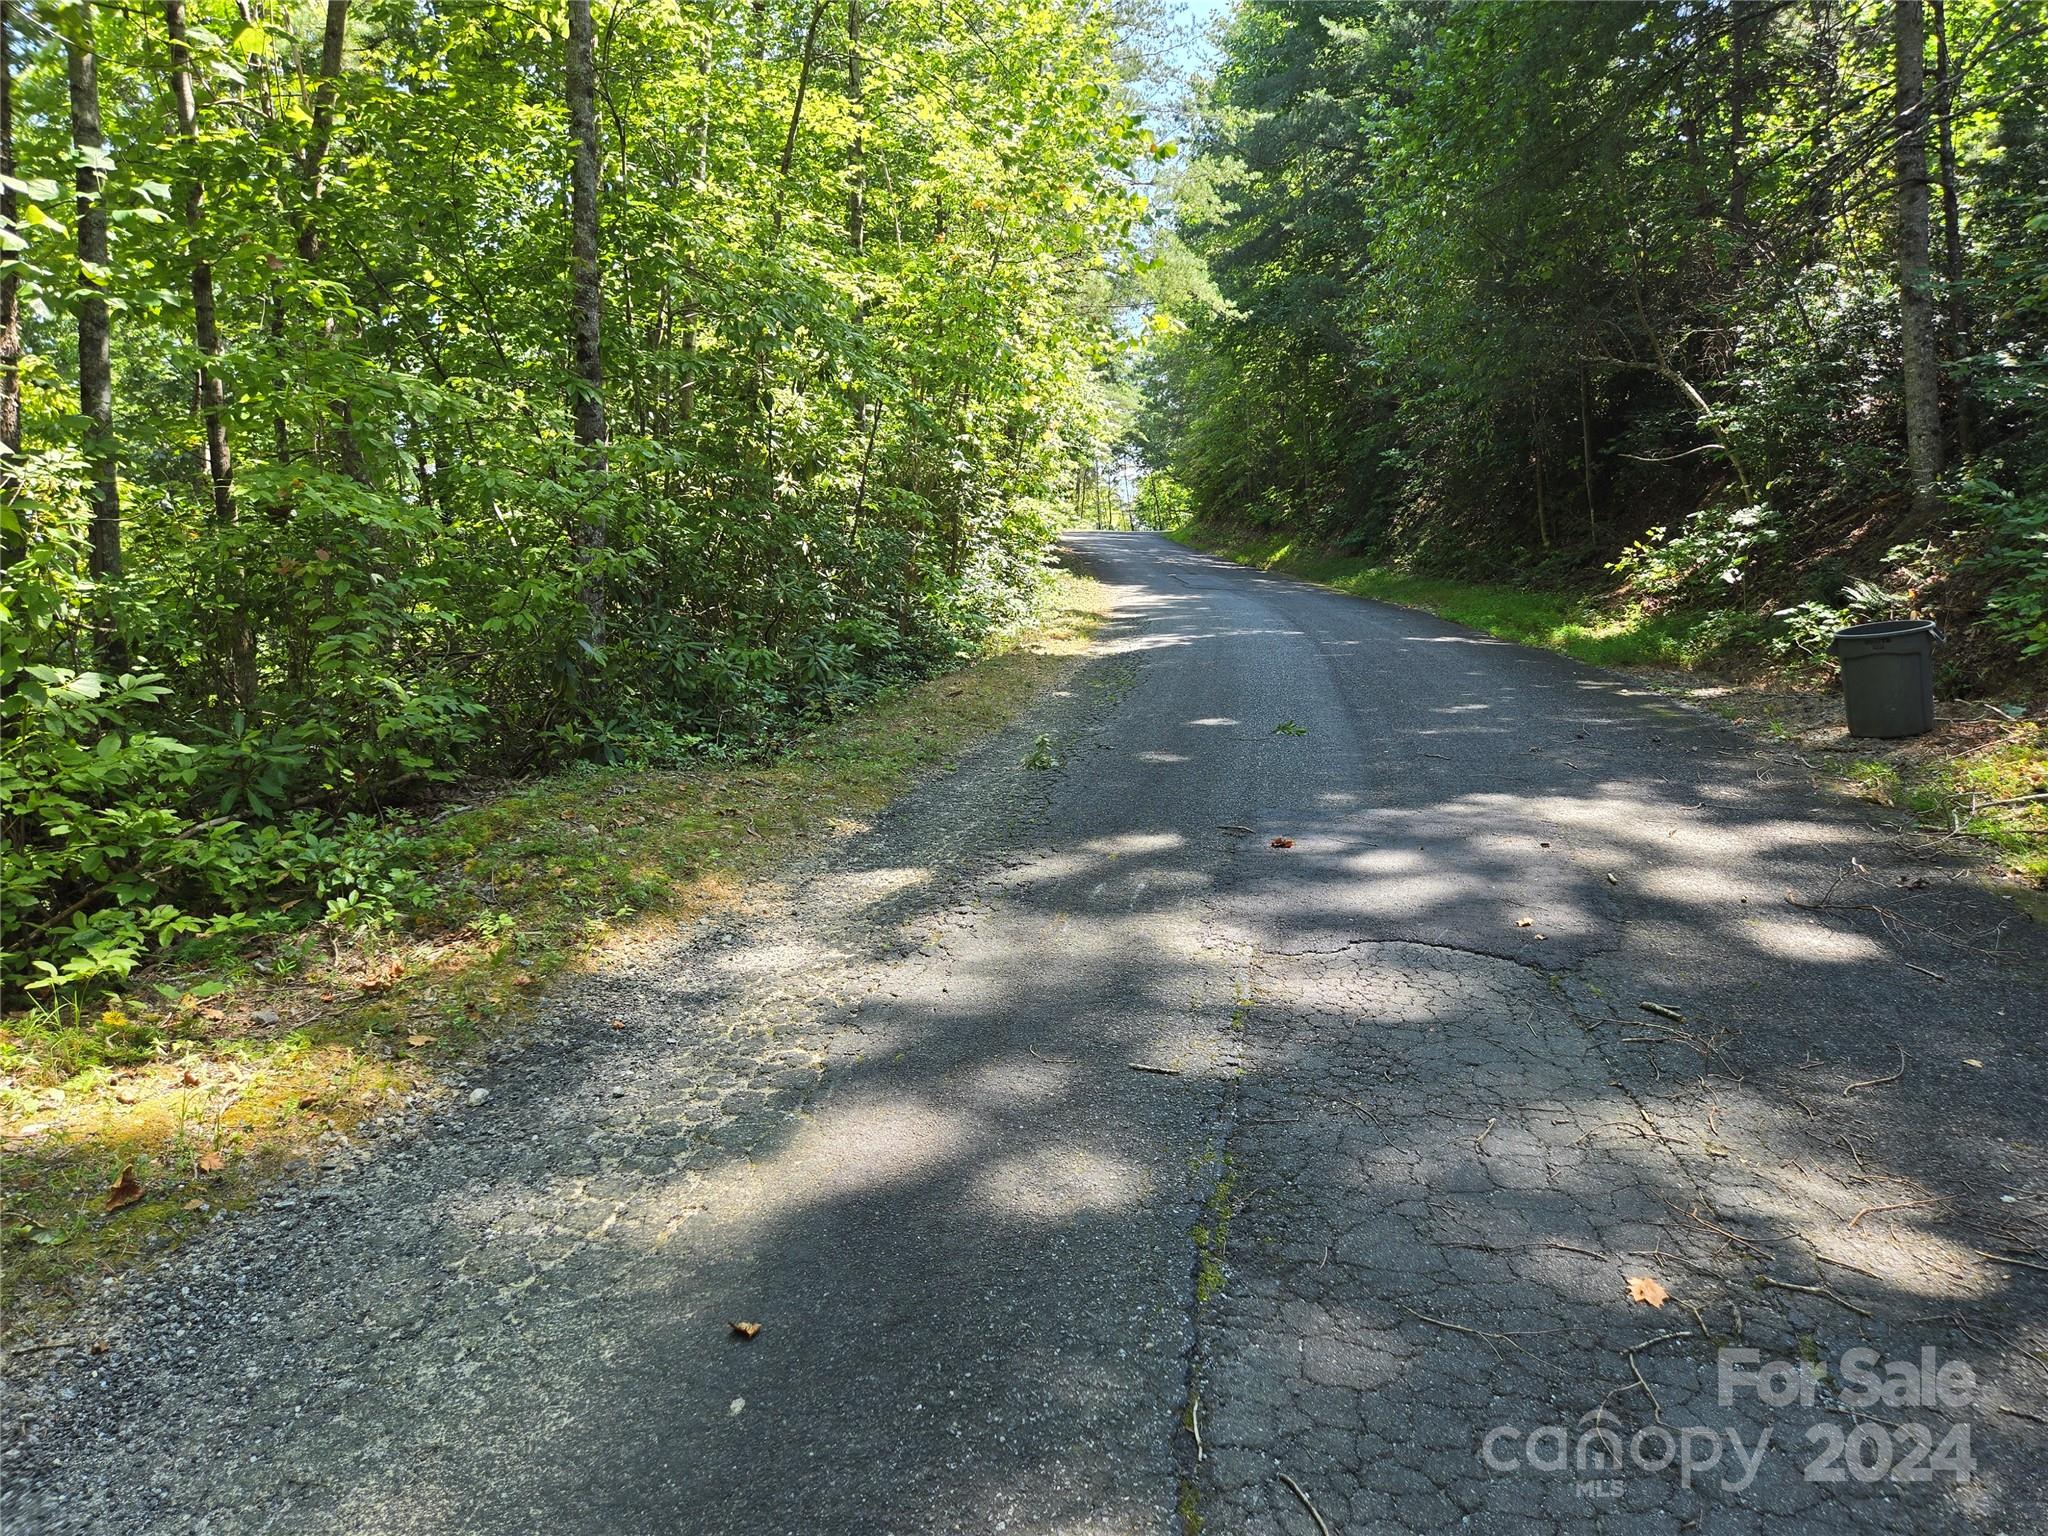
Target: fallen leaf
(211, 1162)
(195, 1205)
(189, 1078)
(1524, 922)
(416, 1041)
(126, 1096)
(1612, 878)
(98, 1347)
(745, 1330)
(1646, 1290)
(1971, 1061)
(125, 1190)
(1281, 842)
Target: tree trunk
(13, 516)
(1948, 85)
(796, 111)
(586, 401)
(313, 168)
(1586, 449)
(1921, 371)
(856, 191)
(1738, 130)
(692, 310)
(205, 328)
(95, 361)
(313, 172)
(856, 180)
(220, 473)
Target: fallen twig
(1306, 1502)
(1479, 1141)
(1889, 1077)
(1662, 1338)
(1477, 1333)
(1909, 965)
(1662, 1012)
(1146, 1066)
(1195, 1422)
(2003, 1258)
(1768, 1282)
(1693, 1215)
(1656, 1407)
(1568, 1248)
(1901, 1205)
(1492, 1339)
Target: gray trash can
(1888, 676)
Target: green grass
(1624, 635)
(1984, 794)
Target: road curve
(1243, 1110)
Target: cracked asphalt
(1093, 1165)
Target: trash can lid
(1885, 629)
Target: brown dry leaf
(1281, 842)
(195, 1205)
(125, 1190)
(1646, 1290)
(416, 1041)
(189, 1078)
(211, 1162)
(98, 1347)
(745, 1330)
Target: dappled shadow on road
(1402, 1062)
(966, 1244)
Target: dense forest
(397, 391)
(1738, 308)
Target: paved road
(1359, 1236)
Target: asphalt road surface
(1093, 1164)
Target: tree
(95, 359)
(480, 351)
(586, 404)
(13, 528)
(1921, 366)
